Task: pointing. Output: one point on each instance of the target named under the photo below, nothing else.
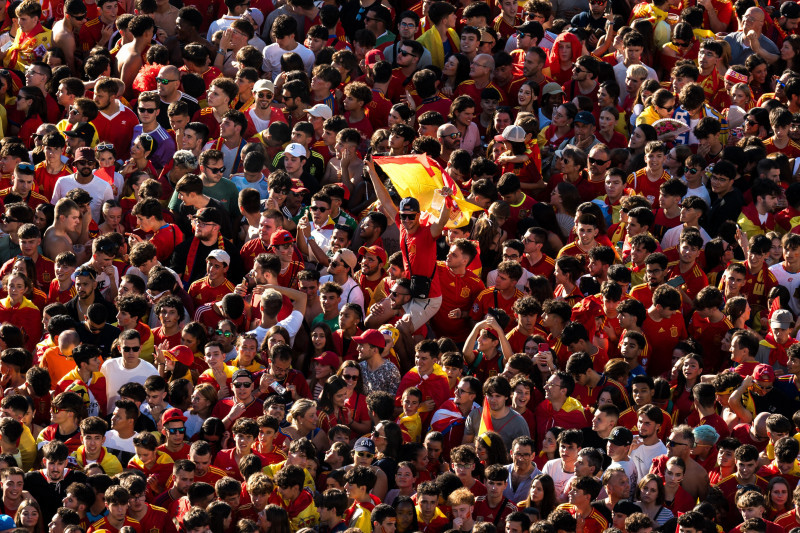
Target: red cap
(171, 415)
(281, 237)
(328, 359)
(372, 57)
(182, 354)
(763, 373)
(374, 250)
(298, 187)
(340, 184)
(373, 337)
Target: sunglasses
(104, 146)
(408, 216)
(667, 108)
(692, 171)
(131, 348)
(350, 377)
(173, 431)
(681, 45)
(225, 334)
(243, 385)
(365, 454)
(25, 166)
(334, 264)
(316, 208)
(594, 161)
(671, 443)
(147, 110)
(456, 135)
(216, 170)
(395, 293)
(57, 410)
(264, 94)
(89, 273)
(404, 53)
(164, 81)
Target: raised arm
(438, 227)
(389, 209)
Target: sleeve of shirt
(292, 323)
(57, 192)
(357, 297)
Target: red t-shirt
(117, 129)
(421, 254)
(662, 337)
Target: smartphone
(676, 281)
(544, 347)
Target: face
(649, 492)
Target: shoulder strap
(500, 512)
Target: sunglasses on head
(84, 272)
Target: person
(49, 485)
(85, 163)
(126, 369)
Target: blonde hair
(461, 496)
(300, 408)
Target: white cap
(320, 110)
(264, 85)
(220, 255)
(296, 149)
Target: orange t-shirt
(57, 364)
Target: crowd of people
(220, 313)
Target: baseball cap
(210, 214)
(514, 134)
(298, 187)
(364, 445)
(82, 130)
(84, 154)
(257, 15)
(170, 415)
(182, 354)
(552, 88)
(409, 204)
(763, 372)
(296, 149)
(347, 256)
(280, 237)
(377, 251)
(373, 56)
(532, 27)
(371, 336)
(584, 117)
(620, 436)
(220, 255)
(781, 319)
(328, 359)
(320, 110)
(626, 507)
(242, 373)
(264, 85)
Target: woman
(388, 439)
(169, 363)
(760, 82)
(31, 104)
(106, 169)
(331, 406)
(542, 495)
(738, 311)
(676, 499)
(565, 51)
(29, 516)
(400, 114)
(247, 352)
(778, 498)
(675, 162)
(141, 149)
(274, 336)
(646, 89)
(321, 342)
(456, 70)
(491, 449)
(195, 336)
(214, 433)
(659, 105)
(25, 265)
(715, 252)
(220, 516)
(688, 377)
(775, 255)
(790, 56)
(356, 400)
(573, 166)
(19, 311)
(741, 96)
(565, 199)
(405, 480)
(462, 116)
(684, 45)
(607, 132)
(276, 519)
(650, 497)
(204, 398)
(490, 234)
(379, 143)
(406, 514)
(303, 421)
(325, 366)
(559, 130)
(608, 96)
(350, 317)
(642, 134)
(527, 98)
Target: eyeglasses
(407, 25)
(474, 64)
(242, 384)
(131, 348)
(406, 53)
(164, 81)
(316, 208)
(216, 170)
(408, 216)
(173, 431)
(225, 334)
(459, 390)
(594, 161)
(147, 110)
(350, 377)
(456, 135)
(715, 177)
(32, 71)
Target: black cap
(620, 436)
(409, 204)
(209, 214)
(626, 507)
(242, 372)
(82, 130)
(364, 445)
(531, 27)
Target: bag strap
(500, 512)
(408, 258)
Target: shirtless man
(129, 57)
(66, 29)
(67, 218)
(165, 16)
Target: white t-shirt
(115, 442)
(789, 280)
(292, 324)
(642, 457)
(673, 236)
(220, 24)
(117, 376)
(272, 58)
(351, 292)
(523, 281)
(98, 188)
(554, 469)
(702, 192)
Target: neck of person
(211, 241)
(233, 141)
(53, 167)
(126, 432)
(85, 373)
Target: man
(521, 471)
(648, 446)
(130, 57)
(189, 256)
(693, 208)
(190, 197)
(183, 471)
(22, 184)
(408, 61)
(461, 288)
(749, 39)
(449, 138)
(29, 242)
(559, 407)
(462, 504)
(502, 295)
(506, 421)
(443, 17)
(681, 442)
(340, 271)
(86, 379)
(67, 407)
(117, 501)
(284, 32)
(85, 179)
(664, 322)
(377, 372)
(173, 428)
(148, 515)
(785, 271)
(271, 304)
(588, 382)
(746, 457)
(49, 485)
(93, 436)
(408, 24)
(428, 377)
(429, 516)
(494, 507)
(156, 465)
(632, 48)
(126, 369)
(149, 108)
(243, 403)
(65, 31)
(647, 181)
(480, 74)
(262, 113)
(215, 285)
(169, 82)
(450, 419)
(221, 93)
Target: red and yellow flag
(486, 419)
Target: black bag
(420, 285)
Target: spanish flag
(419, 176)
(486, 418)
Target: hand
(410, 101)
(637, 441)
(227, 36)
(447, 91)
(241, 289)
(271, 203)
(267, 379)
(457, 522)
(747, 382)
(455, 313)
(161, 35)
(236, 411)
(446, 192)
(428, 405)
(592, 39)
(105, 33)
(152, 482)
(109, 270)
(348, 156)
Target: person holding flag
(451, 417)
(496, 414)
